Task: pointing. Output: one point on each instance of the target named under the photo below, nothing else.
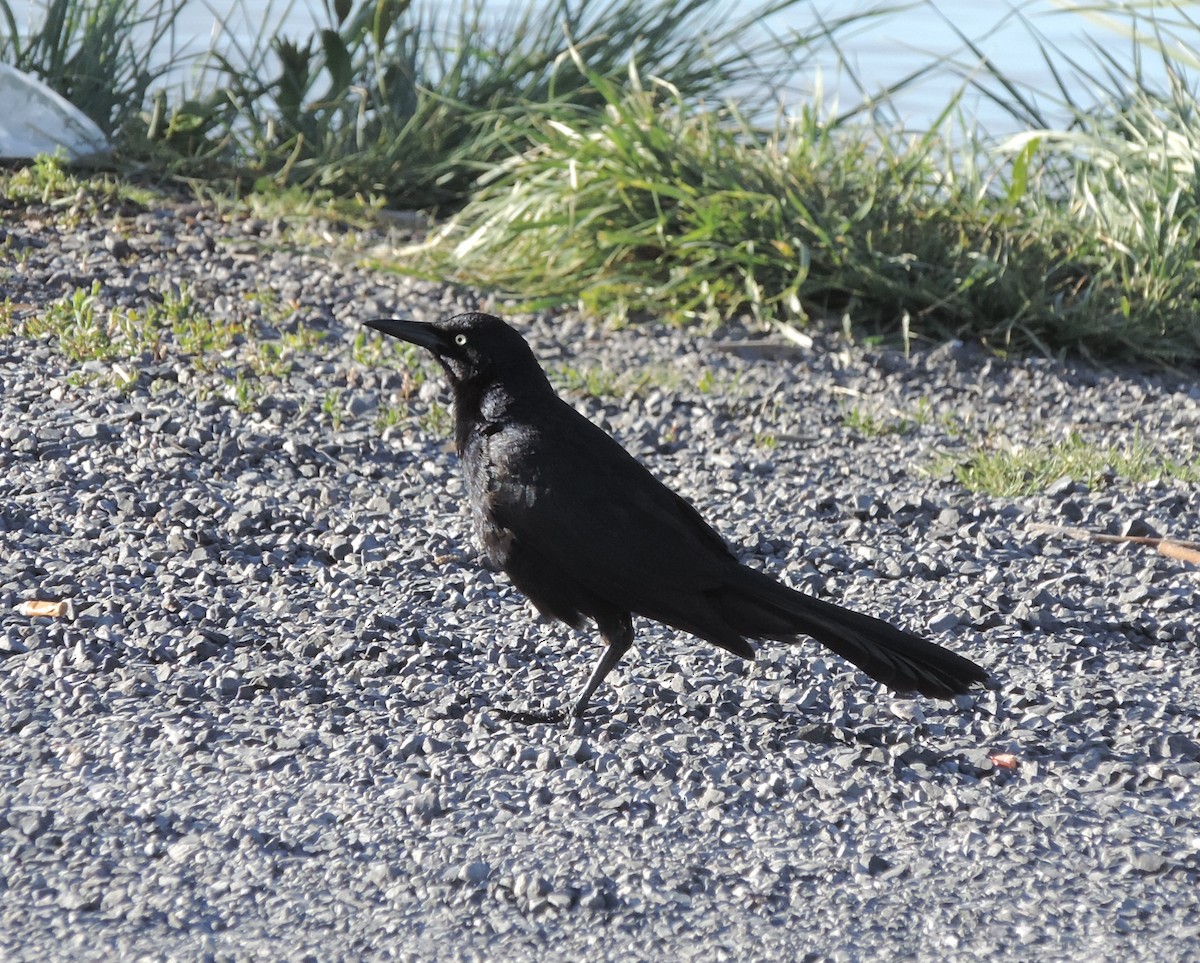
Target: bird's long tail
(759, 607)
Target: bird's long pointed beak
(414, 332)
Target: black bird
(586, 532)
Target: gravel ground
(270, 729)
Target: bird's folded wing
(601, 518)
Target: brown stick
(1105, 537)
(1173, 549)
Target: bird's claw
(529, 717)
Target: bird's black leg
(617, 632)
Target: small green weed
(598, 382)
(245, 391)
(371, 349)
(390, 415)
(438, 419)
(874, 422)
(273, 358)
(333, 409)
(1027, 470)
(49, 180)
(8, 318)
(84, 332)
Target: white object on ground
(36, 120)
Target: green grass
(85, 331)
(409, 101)
(83, 334)
(873, 424)
(333, 408)
(272, 358)
(48, 180)
(390, 415)
(873, 420)
(589, 155)
(244, 392)
(663, 208)
(438, 419)
(112, 344)
(607, 384)
(43, 181)
(1030, 469)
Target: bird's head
(474, 349)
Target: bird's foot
(528, 717)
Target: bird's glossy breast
(496, 459)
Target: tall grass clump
(628, 156)
(1132, 205)
(660, 206)
(1083, 238)
(412, 101)
(400, 100)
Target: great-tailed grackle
(585, 531)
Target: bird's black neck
(488, 406)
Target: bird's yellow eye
(460, 339)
